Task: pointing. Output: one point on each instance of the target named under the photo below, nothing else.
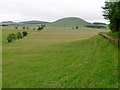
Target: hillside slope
(33, 22)
(69, 22)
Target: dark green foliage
(19, 35)
(41, 27)
(96, 26)
(114, 34)
(4, 25)
(11, 37)
(75, 27)
(16, 27)
(112, 13)
(24, 33)
(99, 23)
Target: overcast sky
(51, 10)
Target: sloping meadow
(62, 58)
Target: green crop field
(59, 58)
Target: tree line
(19, 35)
(11, 37)
(41, 27)
(112, 13)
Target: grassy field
(0, 58)
(59, 58)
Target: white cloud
(50, 10)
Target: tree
(23, 28)
(10, 38)
(41, 27)
(24, 33)
(76, 27)
(112, 13)
(16, 27)
(19, 35)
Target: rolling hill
(33, 22)
(69, 22)
(8, 23)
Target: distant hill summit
(7, 22)
(69, 22)
(33, 22)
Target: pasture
(59, 58)
(0, 58)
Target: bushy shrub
(40, 28)
(13, 36)
(16, 27)
(9, 38)
(19, 35)
(24, 33)
(114, 34)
